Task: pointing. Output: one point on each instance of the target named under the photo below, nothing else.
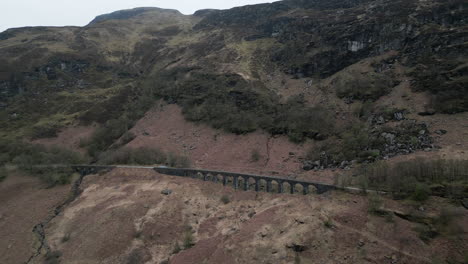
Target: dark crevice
(268, 148)
(39, 229)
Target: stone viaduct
(238, 180)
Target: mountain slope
(368, 93)
(305, 69)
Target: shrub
(389, 218)
(4, 158)
(446, 221)
(448, 96)
(127, 138)
(328, 223)
(176, 249)
(231, 103)
(255, 155)
(27, 156)
(53, 257)
(327, 152)
(52, 176)
(66, 237)
(225, 199)
(110, 109)
(183, 162)
(363, 110)
(137, 256)
(116, 115)
(412, 177)
(188, 239)
(138, 156)
(421, 192)
(426, 232)
(177, 161)
(370, 87)
(456, 190)
(48, 130)
(143, 156)
(355, 140)
(106, 135)
(444, 224)
(3, 173)
(138, 234)
(363, 183)
(375, 204)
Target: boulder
(166, 192)
(307, 166)
(389, 137)
(398, 116)
(380, 120)
(311, 165)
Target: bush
(328, 223)
(117, 115)
(255, 155)
(66, 237)
(426, 232)
(356, 144)
(413, 177)
(231, 103)
(444, 224)
(188, 238)
(177, 161)
(375, 204)
(355, 140)
(138, 156)
(53, 257)
(27, 156)
(363, 110)
(110, 109)
(357, 86)
(137, 256)
(48, 130)
(184, 162)
(53, 178)
(3, 173)
(106, 135)
(363, 183)
(143, 156)
(448, 95)
(421, 192)
(225, 199)
(446, 219)
(127, 138)
(176, 249)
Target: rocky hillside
(321, 70)
(363, 93)
(138, 216)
